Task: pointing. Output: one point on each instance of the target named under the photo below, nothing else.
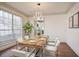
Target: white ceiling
(47, 8)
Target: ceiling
(46, 8)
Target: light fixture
(38, 15)
(38, 4)
(38, 20)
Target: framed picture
(71, 22)
(76, 20)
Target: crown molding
(12, 8)
(3, 4)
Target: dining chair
(52, 42)
(20, 53)
(52, 48)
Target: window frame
(12, 25)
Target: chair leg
(36, 52)
(41, 52)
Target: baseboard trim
(76, 52)
(7, 47)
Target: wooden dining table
(38, 43)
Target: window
(10, 26)
(17, 22)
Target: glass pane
(1, 20)
(6, 27)
(20, 21)
(6, 35)
(2, 33)
(5, 14)
(8, 32)
(17, 22)
(8, 23)
(18, 34)
(1, 26)
(1, 13)
(10, 16)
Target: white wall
(31, 19)
(72, 35)
(55, 26)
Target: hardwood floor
(63, 51)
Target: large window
(17, 26)
(10, 26)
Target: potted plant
(27, 28)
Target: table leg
(27, 49)
(16, 45)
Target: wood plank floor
(63, 51)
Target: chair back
(57, 43)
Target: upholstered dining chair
(20, 53)
(52, 42)
(52, 48)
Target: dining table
(38, 44)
